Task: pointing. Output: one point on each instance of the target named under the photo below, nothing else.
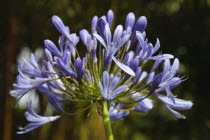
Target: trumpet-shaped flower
(53, 99)
(35, 120)
(108, 89)
(24, 84)
(115, 114)
(179, 105)
(144, 105)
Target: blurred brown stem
(10, 58)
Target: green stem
(107, 122)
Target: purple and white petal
(123, 40)
(94, 24)
(117, 33)
(35, 120)
(162, 57)
(106, 82)
(109, 17)
(100, 39)
(52, 48)
(130, 20)
(117, 91)
(115, 114)
(124, 67)
(180, 104)
(144, 105)
(114, 82)
(157, 46)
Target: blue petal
(162, 57)
(28, 128)
(105, 82)
(143, 76)
(49, 55)
(66, 58)
(115, 114)
(150, 77)
(128, 57)
(156, 65)
(117, 91)
(134, 64)
(123, 40)
(156, 82)
(149, 50)
(167, 76)
(175, 113)
(140, 25)
(84, 35)
(70, 47)
(144, 105)
(29, 69)
(174, 81)
(137, 75)
(34, 60)
(54, 100)
(79, 69)
(109, 17)
(58, 24)
(62, 29)
(100, 39)
(166, 66)
(25, 84)
(170, 94)
(117, 33)
(94, 24)
(61, 43)
(180, 103)
(175, 66)
(114, 82)
(124, 67)
(35, 120)
(140, 39)
(157, 46)
(130, 20)
(108, 35)
(63, 68)
(101, 26)
(51, 46)
(101, 89)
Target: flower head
(120, 67)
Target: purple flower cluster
(113, 69)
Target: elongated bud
(52, 48)
(140, 26)
(94, 24)
(130, 20)
(109, 17)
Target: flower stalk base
(106, 120)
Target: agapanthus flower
(107, 88)
(115, 113)
(35, 120)
(119, 72)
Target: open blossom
(35, 120)
(107, 88)
(115, 114)
(114, 70)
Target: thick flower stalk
(118, 73)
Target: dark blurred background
(183, 27)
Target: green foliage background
(183, 27)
